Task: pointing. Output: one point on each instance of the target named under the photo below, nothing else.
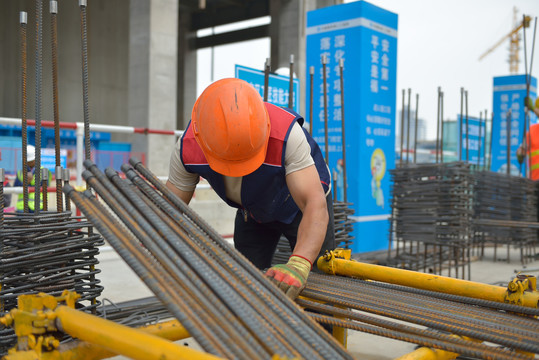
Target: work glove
(292, 276)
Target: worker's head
(30, 155)
(232, 126)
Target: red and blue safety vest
(264, 193)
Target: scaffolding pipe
(332, 265)
(122, 339)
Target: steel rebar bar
(24, 130)
(56, 113)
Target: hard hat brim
(237, 168)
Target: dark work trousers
(258, 241)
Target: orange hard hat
(232, 126)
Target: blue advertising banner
(278, 86)
(48, 159)
(365, 37)
(509, 94)
(475, 141)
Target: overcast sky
(439, 43)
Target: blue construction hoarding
(278, 86)
(509, 94)
(365, 37)
(475, 141)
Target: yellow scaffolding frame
(521, 291)
(39, 316)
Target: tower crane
(514, 42)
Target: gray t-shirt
(297, 157)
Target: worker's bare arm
(186, 196)
(307, 192)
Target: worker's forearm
(312, 231)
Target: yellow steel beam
(121, 339)
(331, 264)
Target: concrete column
(153, 60)
(287, 32)
(187, 71)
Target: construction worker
(532, 140)
(31, 157)
(259, 159)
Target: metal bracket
(517, 287)
(34, 320)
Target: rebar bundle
(224, 302)
(426, 318)
(56, 253)
(431, 221)
(503, 198)
(438, 316)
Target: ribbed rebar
(137, 224)
(197, 306)
(65, 177)
(343, 132)
(84, 57)
(39, 87)
(460, 122)
(266, 78)
(402, 127)
(462, 347)
(416, 125)
(245, 270)
(24, 129)
(56, 113)
(252, 308)
(325, 86)
(487, 325)
(134, 255)
(291, 84)
(224, 290)
(264, 308)
(44, 183)
(311, 86)
(466, 122)
(408, 127)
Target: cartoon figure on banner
(378, 170)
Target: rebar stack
(431, 221)
(224, 302)
(425, 318)
(503, 198)
(56, 253)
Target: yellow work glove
(292, 276)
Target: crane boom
(524, 23)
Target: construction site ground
(121, 284)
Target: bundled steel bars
(500, 198)
(420, 308)
(225, 303)
(431, 217)
(55, 253)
